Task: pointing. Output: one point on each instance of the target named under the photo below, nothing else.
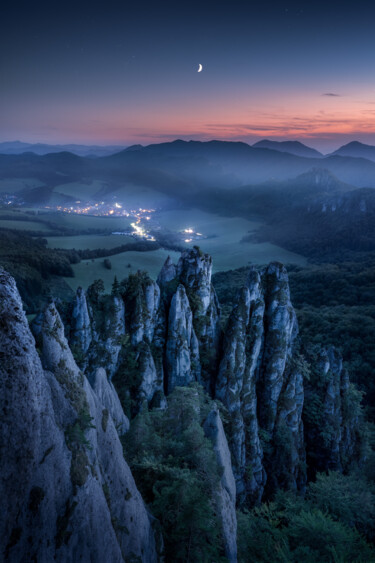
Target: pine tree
(115, 287)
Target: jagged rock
(56, 354)
(96, 331)
(261, 387)
(145, 311)
(235, 387)
(108, 330)
(107, 395)
(193, 271)
(182, 350)
(167, 273)
(281, 328)
(226, 496)
(149, 377)
(67, 492)
(81, 325)
(146, 328)
(332, 431)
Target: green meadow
(222, 239)
(90, 242)
(89, 270)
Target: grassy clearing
(14, 185)
(91, 242)
(226, 233)
(82, 222)
(80, 190)
(89, 270)
(23, 225)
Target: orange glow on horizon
(271, 115)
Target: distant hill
(186, 171)
(292, 147)
(328, 225)
(357, 150)
(18, 147)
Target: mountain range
(354, 149)
(182, 165)
(18, 147)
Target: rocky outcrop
(236, 388)
(146, 331)
(67, 492)
(332, 415)
(226, 495)
(257, 384)
(153, 337)
(107, 395)
(81, 324)
(193, 271)
(168, 273)
(96, 331)
(182, 348)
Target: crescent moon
(200, 68)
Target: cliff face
(170, 335)
(226, 494)
(96, 329)
(69, 478)
(259, 386)
(182, 349)
(193, 272)
(332, 417)
(64, 481)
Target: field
(23, 225)
(90, 242)
(14, 185)
(82, 222)
(79, 190)
(224, 239)
(221, 238)
(89, 270)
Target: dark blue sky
(127, 72)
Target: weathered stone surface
(331, 435)
(96, 331)
(167, 273)
(108, 330)
(107, 395)
(236, 389)
(67, 492)
(81, 324)
(261, 386)
(182, 350)
(226, 495)
(193, 271)
(280, 330)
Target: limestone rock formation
(96, 330)
(259, 387)
(154, 336)
(332, 431)
(226, 496)
(236, 388)
(67, 492)
(107, 395)
(146, 331)
(167, 273)
(182, 349)
(193, 271)
(81, 324)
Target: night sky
(124, 73)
